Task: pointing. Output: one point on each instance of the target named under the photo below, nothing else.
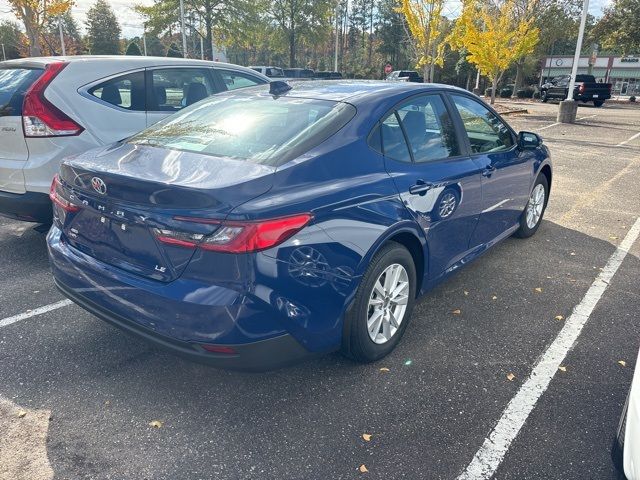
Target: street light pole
(335, 56)
(62, 45)
(184, 34)
(4, 55)
(568, 108)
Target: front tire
(544, 98)
(382, 306)
(531, 218)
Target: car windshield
(260, 129)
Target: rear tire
(544, 98)
(598, 103)
(372, 330)
(531, 218)
(617, 448)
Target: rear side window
(14, 83)
(429, 129)
(126, 91)
(258, 129)
(486, 132)
(234, 80)
(176, 88)
(393, 142)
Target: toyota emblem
(98, 185)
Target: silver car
(54, 107)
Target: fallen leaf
(548, 277)
(384, 369)
(363, 469)
(538, 290)
(366, 437)
(573, 254)
(613, 237)
(510, 377)
(622, 363)
(22, 413)
(456, 311)
(494, 297)
(562, 368)
(155, 424)
(466, 292)
(559, 317)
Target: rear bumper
(263, 355)
(180, 316)
(29, 206)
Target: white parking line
(628, 140)
(558, 123)
(492, 452)
(32, 313)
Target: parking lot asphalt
(445, 389)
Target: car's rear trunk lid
(126, 194)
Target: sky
(131, 22)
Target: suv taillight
(40, 118)
(235, 237)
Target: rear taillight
(223, 349)
(40, 118)
(57, 196)
(235, 237)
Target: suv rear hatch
(137, 207)
(15, 80)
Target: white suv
(54, 107)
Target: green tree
(103, 30)
(174, 51)
(133, 49)
(391, 31)
(71, 32)
(11, 38)
(301, 19)
(619, 29)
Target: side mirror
(529, 140)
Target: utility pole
(64, 50)
(182, 28)
(335, 55)
(144, 43)
(4, 55)
(568, 108)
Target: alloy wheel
(388, 303)
(535, 206)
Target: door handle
(420, 188)
(488, 170)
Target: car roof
(352, 91)
(126, 61)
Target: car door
(170, 89)
(435, 178)
(118, 109)
(506, 170)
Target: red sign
(388, 69)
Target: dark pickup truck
(586, 89)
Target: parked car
(271, 224)
(586, 89)
(271, 72)
(626, 446)
(405, 76)
(54, 107)
(298, 73)
(327, 75)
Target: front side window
(429, 129)
(176, 88)
(126, 91)
(234, 80)
(252, 128)
(486, 132)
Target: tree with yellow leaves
(34, 14)
(494, 37)
(424, 21)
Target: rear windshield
(259, 129)
(14, 82)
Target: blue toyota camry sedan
(262, 226)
